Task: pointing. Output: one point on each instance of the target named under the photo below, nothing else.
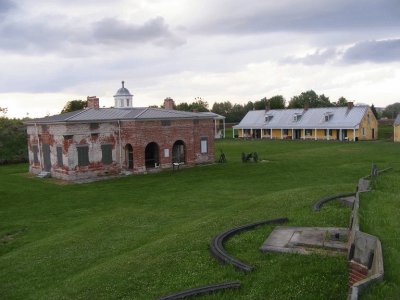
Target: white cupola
(123, 98)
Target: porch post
(270, 133)
(340, 135)
(281, 134)
(224, 126)
(304, 134)
(292, 134)
(233, 132)
(354, 134)
(327, 134)
(315, 133)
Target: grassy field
(145, 236)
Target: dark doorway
(297, 134)
(151, 155)
(178, 152)
(46, 157)
(373, 133)
(129, 155)
(344, 134)
(338, 134)
(257, 133)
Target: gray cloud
(320, 56)
(43, 37)
(373, 51)
(383, 51)
(305, 15)
(111, 31)
(6, 5)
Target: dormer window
(328, 116)
(296, 117)
(268, 118)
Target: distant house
(349, 123)
(104, 141)
(396, 129)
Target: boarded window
(35, 150)
(106, 151)
(59, 156)
(166, 123)
(203, 145)
(94, 126)
(83, 156)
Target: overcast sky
(53, 51)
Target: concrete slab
(348, 201)
(306, 240)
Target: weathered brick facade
(56, 145)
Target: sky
(54, 51)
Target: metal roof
(312, 118)
(397, 120)
(115, 114)
(123, 91)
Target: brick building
(97, 141)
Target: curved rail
(217, 243)
(317, 205)
(202, 290)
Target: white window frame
(203, 145)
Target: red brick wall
(357, 272)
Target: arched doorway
(178, 152)
(129, 156)
(151, 155)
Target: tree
(311, 98)
(373, 109)
(391, 110)
(199, 105)
(222, 108)
(277, 102)
(74, 105)
(13, 147)
(342, 101)
(182, 106)
(3, 110)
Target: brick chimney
(306, 106)
(169, 103)
(92, 102)
(350, 105)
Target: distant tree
(342, 101)
(222, 108)
(260, 104)
(155, 106)
(3, 110)
(277, 102)
(373, 109)
(311, 98)
(391, 110)
(237, 113)
(13, 147)
(182, 106)
(199, 105)
(74, 105)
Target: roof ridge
(77, 114)
(146, 109)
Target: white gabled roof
(312, 118)
(397, 120)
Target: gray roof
(397, 120)
(115, 114)
(214, 115)
(312, 118)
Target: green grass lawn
(145, 236)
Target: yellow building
(396, 129)
(351, 123)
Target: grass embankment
(141, 237)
